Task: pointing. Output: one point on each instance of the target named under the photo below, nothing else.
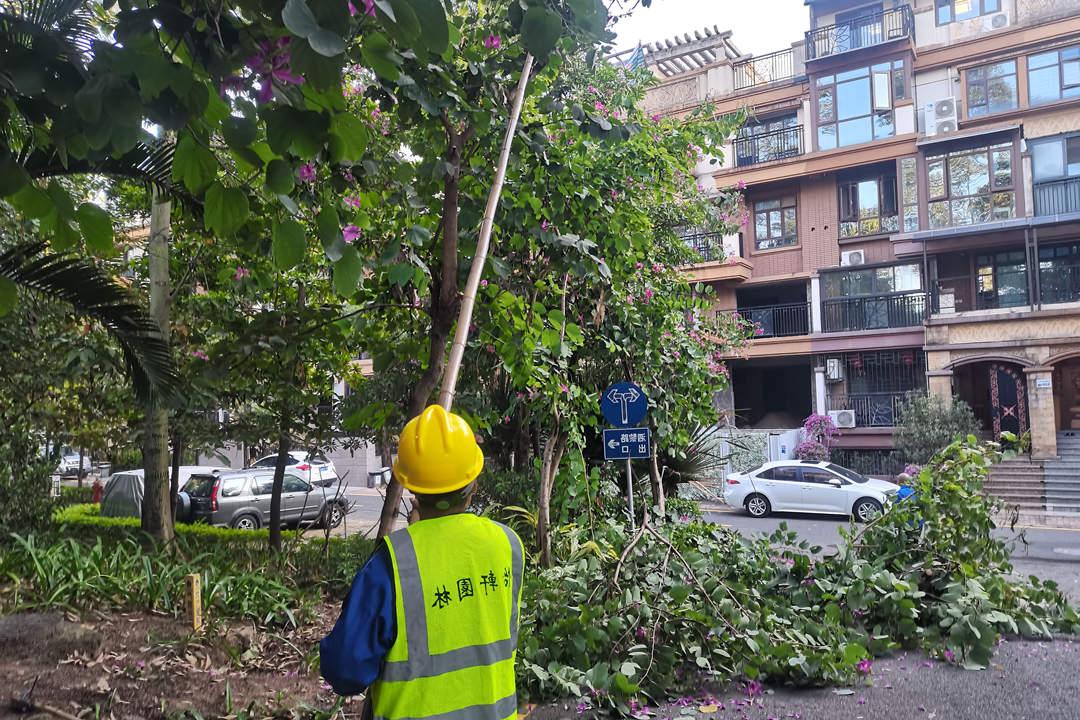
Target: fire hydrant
(98, 490)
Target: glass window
(1059, 273)
(1054, 75)
(768, 140)
(856, 106)
(199, 485)
(873, 281)
(231, 487)
(1055, 158)
(868, 205)
(263, 484)
(909, 182)
(775, 223)
(976, 186)
(818, 477)
(947, 11)
(789, 474)
(992, 88)
(291, 483)
(1001, 280)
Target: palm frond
(69, 22)
(95, 295)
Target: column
(1040, 386)
(939, 383)
(821, 402)
(815, 305)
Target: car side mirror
(836, 482)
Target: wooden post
(194, 598)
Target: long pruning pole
(461, 333)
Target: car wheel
(333, 515)
(758, 506)
(245, 522)
(866, 510)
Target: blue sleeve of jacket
(352, 655)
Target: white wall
(934, 85)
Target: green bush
(25, 504)
(928, 425)
(75, 495)
(86, 520)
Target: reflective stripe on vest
(397, 689)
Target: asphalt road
(1047, 552)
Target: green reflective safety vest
(457, 586)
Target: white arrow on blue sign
(624, 404)
(627, 444)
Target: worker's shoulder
(509, 531)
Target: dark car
(241, 499)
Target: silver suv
(241, 499)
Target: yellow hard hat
(437, 453)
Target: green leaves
(378, 55)
(280, 177)
(32, 201)
(353, 134)
(434, 28)
(12, 175)
(540, 30)
(301, 22)
(239, 132)
(96, 227)
(9, 294)
(226, 211)
(289, 243)
(347, 272)
(329, 225)
(193, 164)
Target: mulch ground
(138, 665)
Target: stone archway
(996, 389)
(1066, 382)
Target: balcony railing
(766, 147)
(861, 32)
(1057, 197)
(873, 312)
(709, 245)
(778, 320)
(872, 409)
(764, 69)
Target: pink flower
(949, 655)
(544, 225)
(629, 299)
(271, 64)
(655, 118)
(614, 194)
(307, 172)
(351, 233)
(200, 354)
(864, 666)
(599, 106)
(347, 174)
(241, 273)
(638, 265)
(754, 688)
(353, 201)
(493, 42)
(564, 389)
(490, 348)
(648, 294)
(483, 283)
(741, 184)
(593, 90)
(759, 331)
(506, 418)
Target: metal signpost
(624, 405)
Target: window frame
(852, 182)
(794, 470)
(878, 77)
(785, 240)
(871, 293)
(1060, 65)
(993, 188)
(994, 256)
(984, 83)
(1062, 141)
(982, 5)
(806, 472)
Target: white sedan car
(810, 487)
(316, 469)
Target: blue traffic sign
(627, 444)
(624, 404)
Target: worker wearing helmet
(430, 623)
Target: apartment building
(912, 173)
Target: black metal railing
(868, 462)
(766, 147)
(1057, 197)
(872, 409)
(861, 32)
(873, 312)
(709, 245)
(778, 320)
(764, 69)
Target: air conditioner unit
(997, 21)
(940, 116)
(843, 418)
(852, 257)
(834, 369)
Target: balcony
(766, 147)
(764, 69)
(709, 245)
(855, 314)
(1057, 197)
(862, 32)
(778, 320)
(875, 409)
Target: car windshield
(199, 485)
(849, 474)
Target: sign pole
(630, 492)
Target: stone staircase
(1062, 476)
(1042, 486)
(1019, 482)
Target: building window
(1055, 159)
(1001, 280)
(774, 223)
(948, 11)
(1059, 273)
(857, 106)
(973, 186)
(992, 88)
(909, 191)
(873, 281)
(868, 205)
(1054, 75)
(768, 140)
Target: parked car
(69, 464)
(241, 499)
(124, 492)
(811, 487)
(316, 469)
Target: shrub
(25, 504)
(75, 495)
(819, 427)
(811, 450)
(927, 425)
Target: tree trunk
(657, 487)
(554, 447)
(174, 477)
(156, 508)
(79, 472)
(279, 479)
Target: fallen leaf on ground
(707, 709)
(843, 691)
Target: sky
(758, 26)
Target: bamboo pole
(461, 333)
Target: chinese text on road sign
(627, 444)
